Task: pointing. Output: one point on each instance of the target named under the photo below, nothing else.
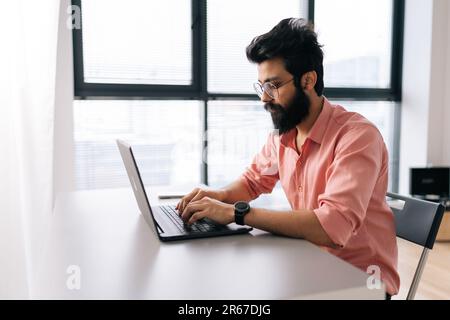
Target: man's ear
(309, 80)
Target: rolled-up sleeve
(350, 181)
(262, 175)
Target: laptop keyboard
(204, 225)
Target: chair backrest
(416, 221)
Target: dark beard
(286, 119)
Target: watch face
(241, 206)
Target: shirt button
(300, 188)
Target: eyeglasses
(269, 88)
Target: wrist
(241, 209)
(223, 195)
(231, 214)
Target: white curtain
(28, 33)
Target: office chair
(416, 221)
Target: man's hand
(213, 209)
(198, 194)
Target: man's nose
(266, 98)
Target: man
(332, 164)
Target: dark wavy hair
(295, 41)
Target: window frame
(198, 89)
(394, 92)
(84, 90)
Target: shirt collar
(320, 126)
(317, 131)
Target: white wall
(63, 126)
(426, 78)
(446, 85)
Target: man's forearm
(236, 191)
(297, 224)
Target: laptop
(165, 220)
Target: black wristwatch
(241, 208)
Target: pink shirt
(341, 172)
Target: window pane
(357, 36)
(232, 24)
(237, 130)
(137, 42)
(166, 136)
(382, 115)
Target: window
(119, 46)
(166, 136)
(357, 46)
(238, 130)
(185, 61)
(231, 30)
(362, 45)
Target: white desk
(120, 258)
